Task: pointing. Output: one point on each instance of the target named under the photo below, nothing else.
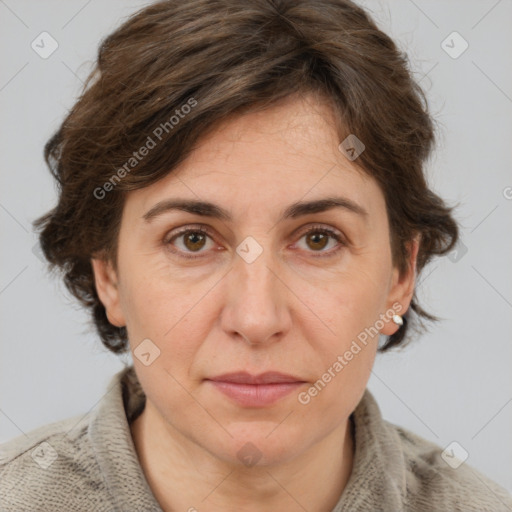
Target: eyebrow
(207, 209)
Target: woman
(243, 207)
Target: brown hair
(175, 69)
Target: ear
(402, 289)
(106, 282)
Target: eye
(191, 240)
(318, 238)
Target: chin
(253, 445)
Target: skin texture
(291, 310)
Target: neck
(184, 476)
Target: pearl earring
(398, 320)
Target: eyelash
(312, 229)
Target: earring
(398, 320)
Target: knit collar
(113, 445)
(378, 478)
(377, 481)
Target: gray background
(454, 383)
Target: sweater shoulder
(64, 431)
(52, 467)
(436, 480)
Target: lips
(255, 390)
(263, 378)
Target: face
(264, 287)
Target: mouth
(256, 390)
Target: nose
(256, 308)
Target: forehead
(291, 135)
(265, 159)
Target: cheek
(349, 300)
(148, 296)
(345, 345)
(172, 311)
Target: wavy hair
(230, 57)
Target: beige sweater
(89, 463)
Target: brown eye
(194, 241)
(318, 238)
(188, 241)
